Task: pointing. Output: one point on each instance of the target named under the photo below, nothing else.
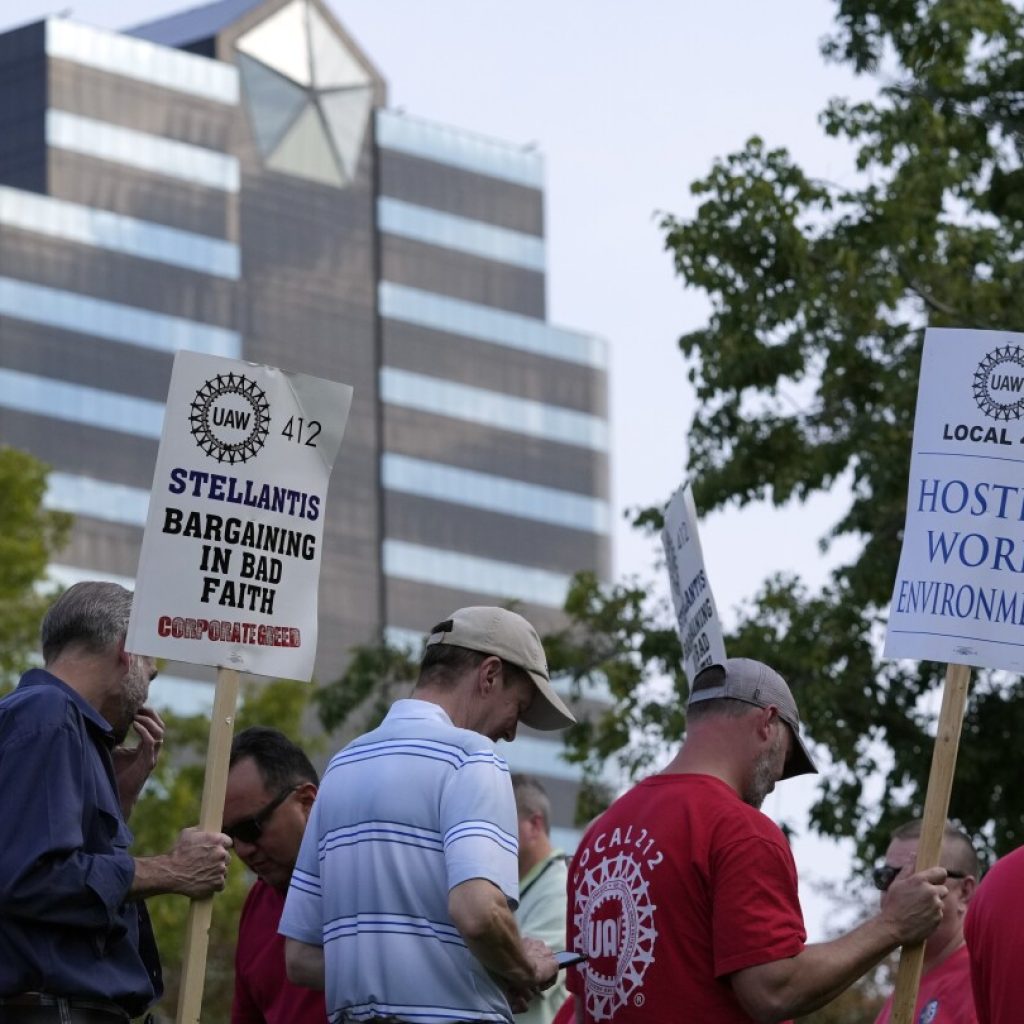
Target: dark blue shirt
(66, 925)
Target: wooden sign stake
(936, 809)
(211, 817)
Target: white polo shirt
(404, 814)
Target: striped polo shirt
(404, 814)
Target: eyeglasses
(885, 875)
(248, 830)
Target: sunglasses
(248, 830)
(885, 875)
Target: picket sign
(697, 621)
(230, 562)
(950, 600)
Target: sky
(629, 103)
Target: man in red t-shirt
(945, 993)
(270, 791)
(684, 895)
(995, 937)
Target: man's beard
(134, 692)
(764, 778)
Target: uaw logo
(999, 384)
(230, 418)
(614, 920)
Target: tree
(30, 535)
(806, 376)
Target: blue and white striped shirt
(404, 814)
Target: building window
(77, 403)
(98, 499)
(142, 60)
(473, 574)
(56, 218)
(487, 324)
(422, 224)
(518, 164)
(71, 311)
(493, 493)
(131, 148)
(492, 409)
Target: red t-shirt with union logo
(676, 886)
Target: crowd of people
(417, 880)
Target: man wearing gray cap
(401, 901)
(683, 895)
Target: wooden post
(936, 809)
(211, 817)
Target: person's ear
(764, 722)
(967, 887)
(124, 659)
(489, 674)
(306, 794)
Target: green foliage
(806, 375)
(30, 535)
(376, 675)
(171, 801)
(614, 642)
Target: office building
(231, 180)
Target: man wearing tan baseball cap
(401, 901)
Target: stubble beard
(134, 694)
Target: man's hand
(133, 765)
(196, 867)
(545, 970)
(913, 905)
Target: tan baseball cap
(510, 637)
(755, 683)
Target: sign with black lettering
(958, 596)
(700, 629)
(230, 559)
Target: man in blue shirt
(76, 946)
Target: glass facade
(492, 409)
(473, 574)
(493, 493)
(445, 145)
(422, 224)
(71, 311)
(145, 152)
(142, 60)
(78, 403)
(485, 323)
(98, 499)
(55, 218)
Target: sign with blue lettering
(959, 593)
(230, 559)
(700, 629)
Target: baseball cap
(510, 637)
(755, 683)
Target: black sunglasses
(885, 875)
(248, 830)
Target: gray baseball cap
(753, 682)
(507, 635)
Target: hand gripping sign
(231, 554)
(957, 596)
(700, 629)
(230, 559)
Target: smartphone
(568, 957)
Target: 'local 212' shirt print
(614, 917)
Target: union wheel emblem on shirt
(614, 919)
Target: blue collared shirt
(66, 924)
